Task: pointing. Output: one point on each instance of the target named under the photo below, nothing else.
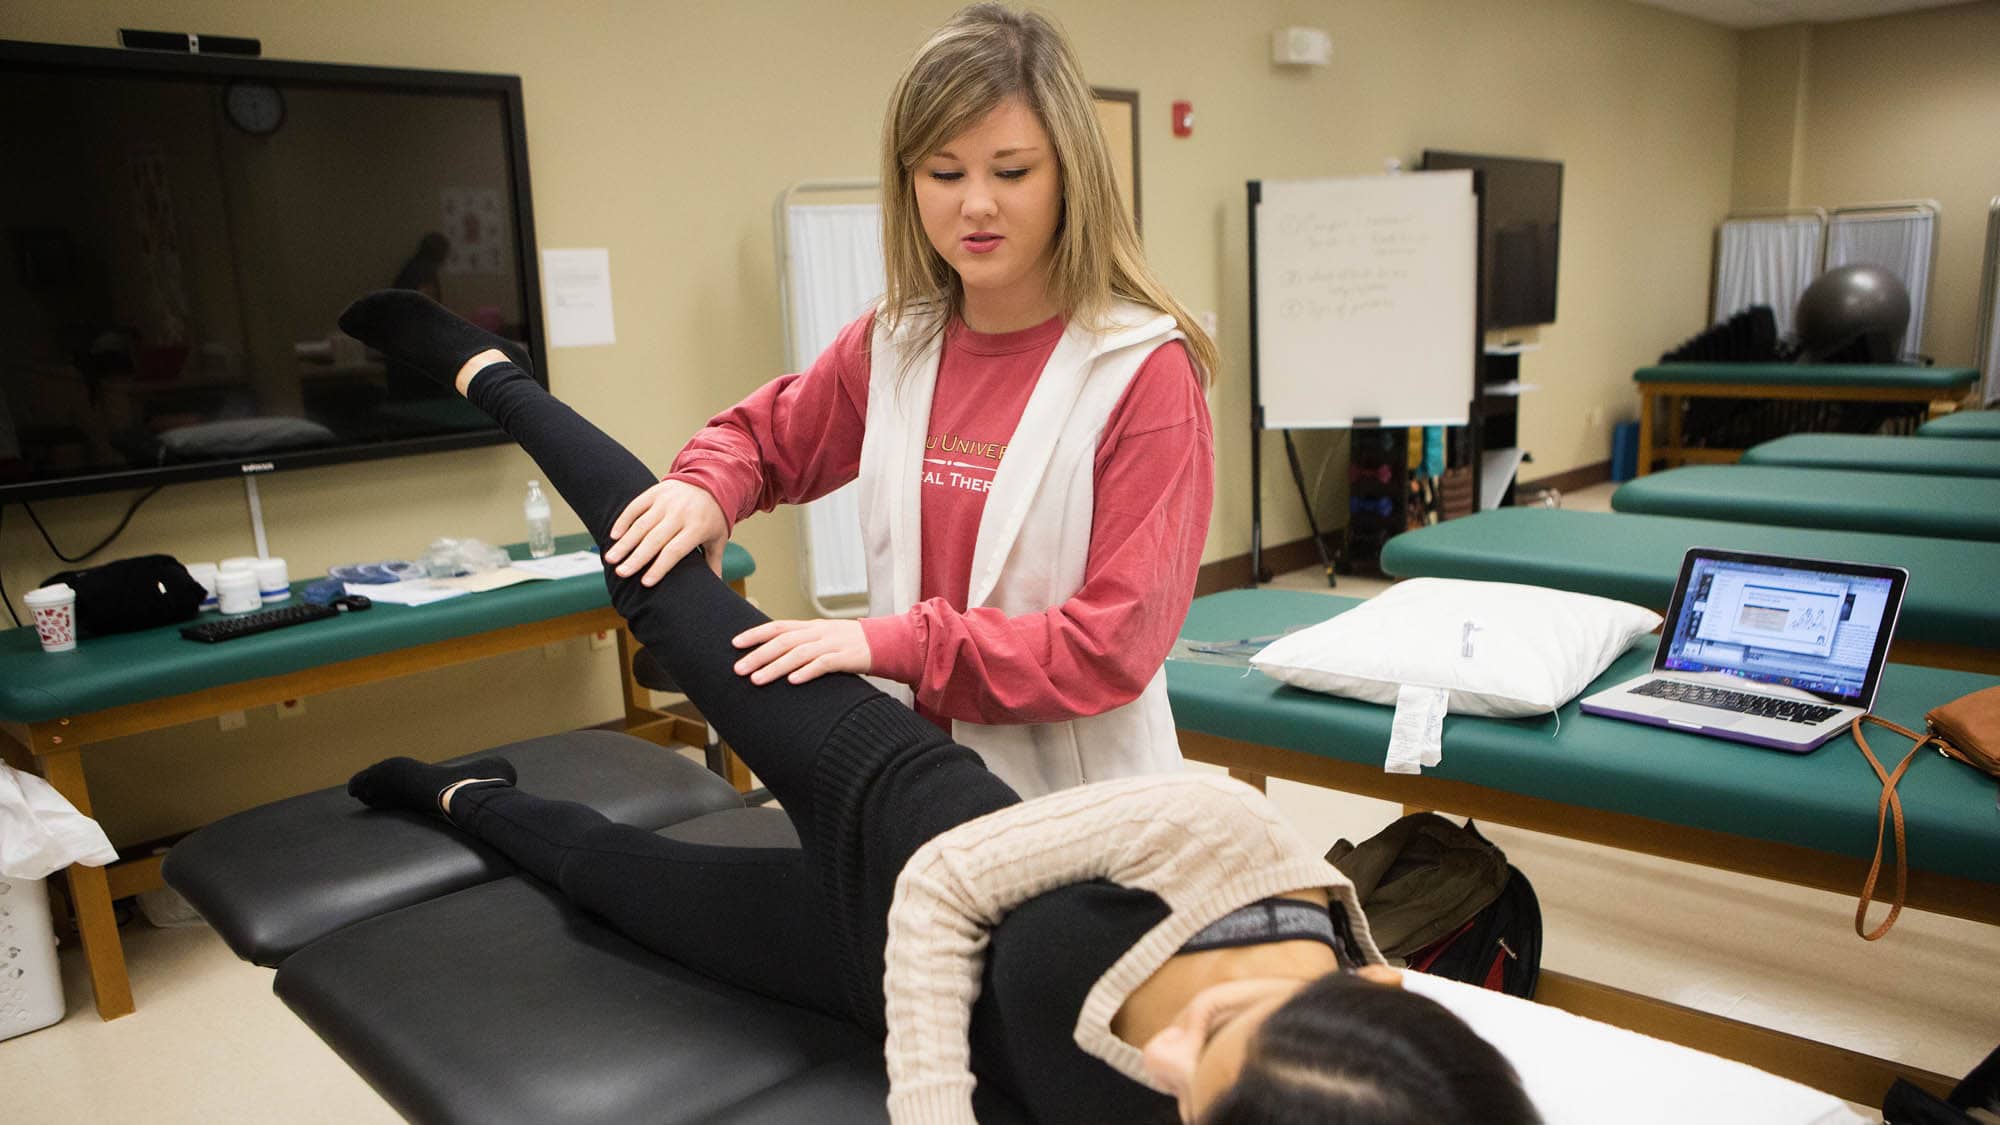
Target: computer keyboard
(1747, 703)
(263, 621)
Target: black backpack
(1445, 901)
(1498, 948)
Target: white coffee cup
(204, 573)
(274, 584)
(236, 591)
(54, 608)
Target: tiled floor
(210, 1044)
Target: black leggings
(863, 778)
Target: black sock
(405, 783)
(405, 325)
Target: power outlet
(600, 639)
(1593, 419)
(233, 720)
(291, 708)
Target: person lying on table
(1133, 950)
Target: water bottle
(541, 541)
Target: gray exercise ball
(1854, 305)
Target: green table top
(1638, 558)
(1823, 800)
(1839, 499)
(105, 672)
(1964, 424)
(1880, 453)
(1810, 375)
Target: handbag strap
(1889, 807)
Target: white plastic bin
(31, 994)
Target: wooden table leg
(734, 771)
(1676, 442)
(1647, 403)
(1255, 781)
(90, 896)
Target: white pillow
(1578, 1071)
(1498, 648)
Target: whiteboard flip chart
(1365, 300)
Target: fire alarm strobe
(1183, 119)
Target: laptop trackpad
(1715, 718)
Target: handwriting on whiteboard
(1371, 253)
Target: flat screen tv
(179, 233)
(1523, 225)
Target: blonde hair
(982, 56)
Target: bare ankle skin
(445, 795)
(477, 364)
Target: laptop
(1764, 649)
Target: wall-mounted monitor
(179, 233)
(1520, 237)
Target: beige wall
(1909, 107)
(664, 131)
(1771, 116)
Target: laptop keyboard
(1762, 706)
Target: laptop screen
(1798, 623)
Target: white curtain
(833, 274)
(1991, 360)
(1767, 261)
(1898, 241)
(1989, 356)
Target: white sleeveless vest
(1034, 537)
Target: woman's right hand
(661, 525)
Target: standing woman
(1024, 412)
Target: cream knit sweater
(1204, 844)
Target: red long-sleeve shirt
(799, 437)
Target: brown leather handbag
(1967, 728)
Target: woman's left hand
(802, 650)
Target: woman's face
(990, 199)
(1198, 1056)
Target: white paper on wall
(576, 297)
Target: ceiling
(1767, 13)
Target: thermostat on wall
(1301, 46)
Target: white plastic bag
(41, 832)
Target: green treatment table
(53, 705)
(1880, 453)
(1663, 386)
(1964, 424)
(1950, 617)
(1807, 819)
(1836, 499)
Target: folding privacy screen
(1770, 257)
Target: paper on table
(486, 580)
(424, 591)
(577, 297)
(414, 591)
(562, 566)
